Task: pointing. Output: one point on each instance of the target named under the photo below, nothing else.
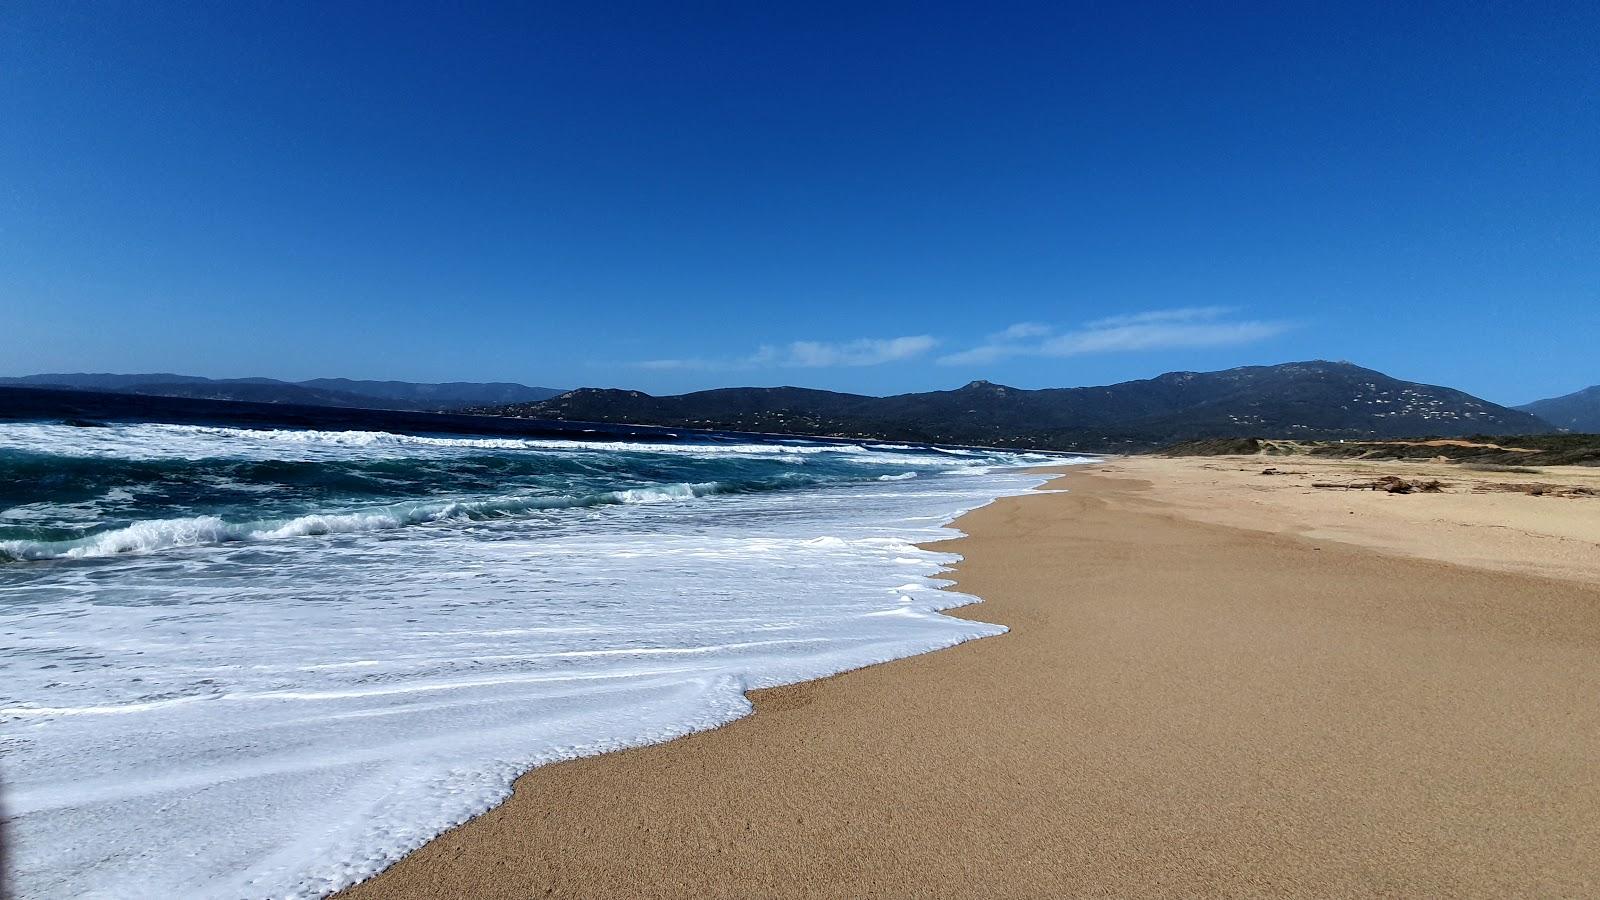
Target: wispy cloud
(1161, 329)
(811, 355)
(1158, 329)
(1165, 316)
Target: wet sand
(1204, 692)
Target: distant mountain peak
(599, 392)
(984, 386)
(1578, 411)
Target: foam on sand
(207, 706)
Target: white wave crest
(164, 441)
(197, 531)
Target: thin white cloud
(865, 352)
(669, 364)
(1161, 329)
(1160, 316)
(1160, 337)
(812, 355)
(1022, 331)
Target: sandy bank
(1209, 688)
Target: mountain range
(1578, 411)
(337, 392)
(1316, 399)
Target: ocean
(268, 661)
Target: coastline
(376, 691)
(1192, 699)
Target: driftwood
(1392, 484)
(1538, 489)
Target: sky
(868, 197)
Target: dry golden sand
(1182, 708)
(1474, 522)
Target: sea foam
(215, 705)
(167, 534)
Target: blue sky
(867, 197)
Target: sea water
(268, 663)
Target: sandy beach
(1217, 683)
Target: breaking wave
(198, 531)
(164, 441)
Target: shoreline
(1180, 707)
